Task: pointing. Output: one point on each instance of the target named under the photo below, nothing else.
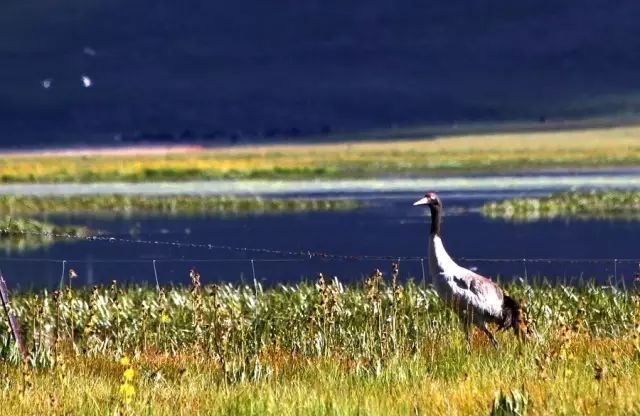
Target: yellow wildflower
(128, 374)
(124, 361)
(164, 318)
(127, 391)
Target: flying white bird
(86, 81)
(46, 83)
(476, 299)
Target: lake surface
(388, 226)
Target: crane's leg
(467, 333)
(467, 325)
(492, 338)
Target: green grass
(20, 234)
(374, 158)
(175, 204)
(568, 204)
(373, 348)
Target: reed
(379, 347)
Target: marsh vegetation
(19, 234)
(378, 347)
(173, 204)
(568, 204)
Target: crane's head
(430, 198)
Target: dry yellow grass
(189, 384)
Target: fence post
(615, 271)
(155, 273)
(424, 280)
(61, 285)
(15, 330)
(253, 271)
(524, 264)
(255, 314)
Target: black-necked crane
(476, 299)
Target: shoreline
(609, 178)
(482, 154)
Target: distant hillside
(164, 70)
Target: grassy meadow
(568, 204)
(465, 153)
(379, 347)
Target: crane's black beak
(423, 201)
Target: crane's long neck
(435, 220)
(439, 259)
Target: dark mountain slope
(299, 67)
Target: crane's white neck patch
(439, 256)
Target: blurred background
(105, 72)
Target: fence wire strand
(286, 255)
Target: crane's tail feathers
(513, 317)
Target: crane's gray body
(475, 298)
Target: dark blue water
(390, 226)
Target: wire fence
(273, 264)
(48, 272)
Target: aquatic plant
(21, 234)
(379, 347)
(568, 204)
(172, 204)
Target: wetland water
(388, 226)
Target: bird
(476, 299)
(88, 50)
(86, 81)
